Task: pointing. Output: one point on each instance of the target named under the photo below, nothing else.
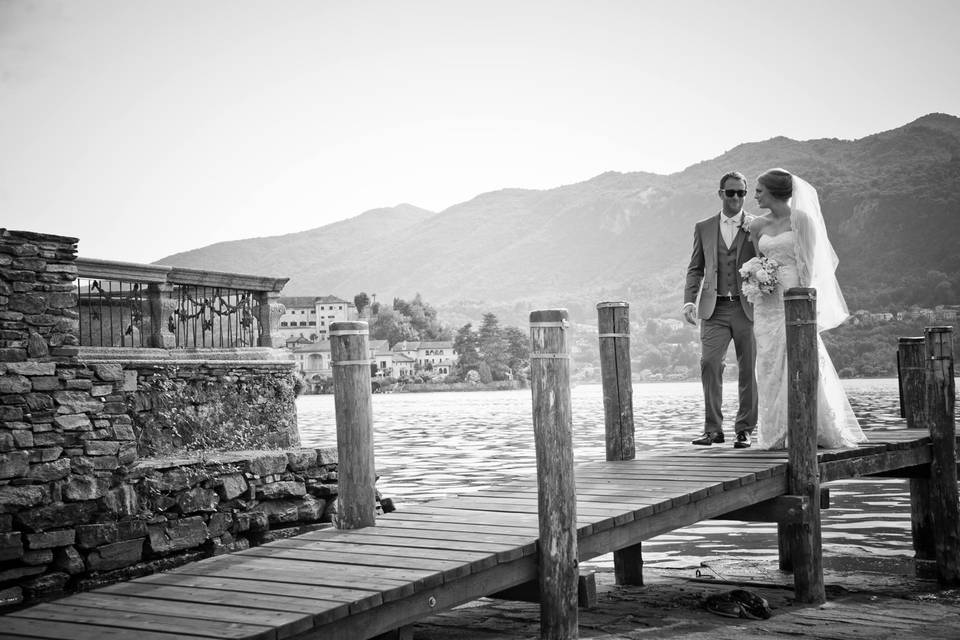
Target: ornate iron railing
(133, 305)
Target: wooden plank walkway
(355, 584)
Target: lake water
(430, 445)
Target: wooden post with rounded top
(613, 325)
(350, 358)
(940, 400)
(803, 376)
(556, 488)
(911, 374)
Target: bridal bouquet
(759, 277)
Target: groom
(720, 247)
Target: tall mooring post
(613, 324)
(350, 356)
(556, 488)
(940, 399)
(912, 373)
(803, 374)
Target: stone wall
(160, 513)
(200, 400)
(78, 504)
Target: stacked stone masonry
(79, 504)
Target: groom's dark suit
(725, 315)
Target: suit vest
(728, 282)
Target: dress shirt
(728, 227)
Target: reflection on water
(438, 444)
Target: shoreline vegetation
(426, 387)
(513, 385)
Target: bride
(793, 234)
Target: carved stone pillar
(162, 306)
(268, 313)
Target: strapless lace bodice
(781, 248)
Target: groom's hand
(689, 312)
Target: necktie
(729, 228)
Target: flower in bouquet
(759, 276)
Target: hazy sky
(147, 127)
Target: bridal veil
(816, 259)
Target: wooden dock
(355, 584)
(367, 578)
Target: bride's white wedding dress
(837, 426)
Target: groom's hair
(735, 175)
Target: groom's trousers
(727, 323)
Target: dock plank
(14, 627)
(62, 611)
(284, 623)
(243, 599)
(328, 599)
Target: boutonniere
(744, 224)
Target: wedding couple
(792, 234)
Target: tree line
(494, 352)
(403, 320)
(490, 353)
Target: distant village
(305, 327)
(671, 356)
(940, 313)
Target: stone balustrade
(137, 305)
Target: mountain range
(891, 203)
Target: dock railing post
(911, 373)
(556, 488)
(940, 399)
(613, 325)
(803, 373)
(350, 357)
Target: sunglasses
(740, 193)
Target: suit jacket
(701, 284)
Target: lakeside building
(309, 317)
(436, 356)
(313, 359)
(394, 364)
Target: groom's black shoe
(743, 440)
(708, 438)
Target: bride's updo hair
(778, 182)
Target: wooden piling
(613, 324)
(556, 489)
(803, 373)
(911, 374)
(940, 398)
(350, 356)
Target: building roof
(406, 345)
(436, 345)
(300, 302)
(297, 302)
(402, 357)
(379, 346)
(313, 347)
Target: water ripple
(434, 445)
